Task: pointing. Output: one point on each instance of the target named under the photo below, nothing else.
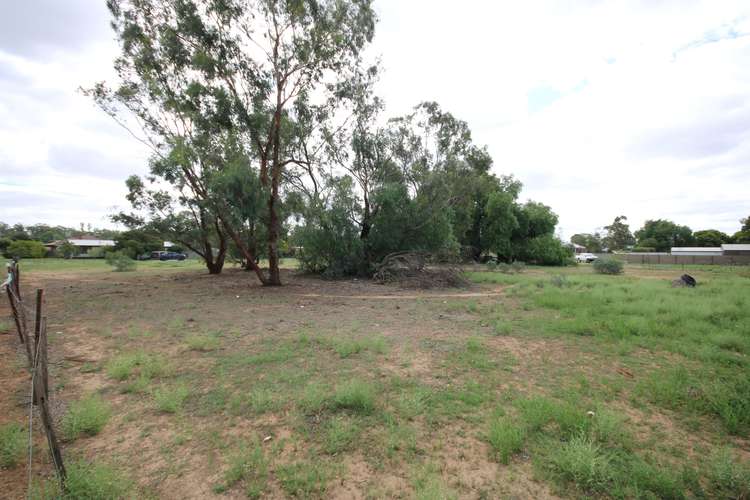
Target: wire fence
(37, 366)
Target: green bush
(85, 416)
(643, 249)
(355, 395)
(95, 481)
(27, 249)
(608, 266)
(505, 438)
(583, 462)
(546, 250)
(120, 261)
(171, 399)
(518, 266)
(12, 444)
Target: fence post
(40, 371)
(37, 339)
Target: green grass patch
(13, 444)
(355, 395)
(134, 364)
(340, 434)
(203, 343)
(506, 438)
(249, 466)
(303, 479)
(87, 416)
(171, 399)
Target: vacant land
(549, 383)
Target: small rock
(267, 439)
(590, 414)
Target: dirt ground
(94, 317)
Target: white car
(586, 257)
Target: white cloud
(602, 108)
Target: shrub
(170, 400)
(12, 444)
(504, 268)
(355, 395)
(85, 416)
(491, 265)
(582, 462)
(505, 438)
(518, 266)
(66, 250)
(27, 249)
(608, 266)
(547, 250)
(643, 249)
(95, 481)
(120, 261)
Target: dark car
(172, 256)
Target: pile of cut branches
(410, 270)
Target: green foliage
(250, 466)
(12, 444)
(506, 438)
(87, 416)
(618, 235)
(663, 235)
(95, 482)
(643, 249)
(592, 242)
(607, 265)
(355, 395)
(26, 249)
(138, 242)
(546, 250)
(302, 479)
(171, 399)
(711, 238)
(66, 250)
(340, 434)
(728, 474)
(203, 343)
(583, 462)
(120, 261)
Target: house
(736, 248)
(697, 251)
(83, 245)
(578, 248)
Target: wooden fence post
(40, 374)
(37, 340)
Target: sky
(636, 108)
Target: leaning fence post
(37, 336)
(39, 371)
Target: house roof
(92, 243)
(736, 246)
(696, 249)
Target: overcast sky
(639, 108)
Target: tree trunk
(245, 252)
(274, 275)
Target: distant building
(736, 248)
(697, 251)
(83, 245)
(578, 248)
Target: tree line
(268, 138)
(657, 235)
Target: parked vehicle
(172, 256)
(162, 255)
(586, 257)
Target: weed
(12, 444)
(582, 462)
(171, 399)
(340, 434)
(249, 465)
(429, 485)
(302, 479)
(729, 476)
(85, 416)
(315, 398)
(203, 343)
(506, 438)
(86, 481)
(355, 395)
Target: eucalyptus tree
(200, 76)
(178, 217)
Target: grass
(203, 343)
(170, 399)
(249, 466)
(506, 438)
(12, 445)
(87, 481)
(568, 382)
(355, 395)
(303, 479)
(87, 416)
